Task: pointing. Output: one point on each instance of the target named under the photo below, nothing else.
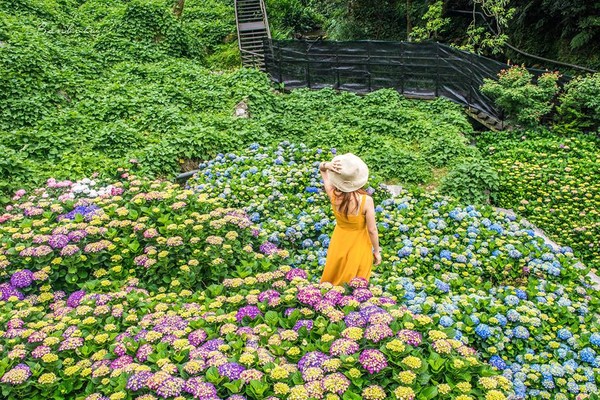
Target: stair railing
(265, 21)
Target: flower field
(553, 181)
(137, 289)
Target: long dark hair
(346, 197)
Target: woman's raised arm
(324, 169)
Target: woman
(354, 245)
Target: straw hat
(353, 174)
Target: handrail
(237, 24)
(265, 18)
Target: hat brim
(347, 186)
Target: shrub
(471, 180)
(397, 163)
(524, 102)
(579, 107)
(445, 149)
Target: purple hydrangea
(372, 360)
(355, 319)
(7, 291)
(231, 370)
(75, 298)
(199, 389)
(21, 279)
(268, 248)
(295, 273)
(248, 311)
(197, 337)
(306, 323)
(312, 359)
(58, 241)
(138, 381)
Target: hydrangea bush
(467, 304)
(73, 235)
(479, 271)
(272, 335)
(551, 180)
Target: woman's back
(355, 219)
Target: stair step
(252, 46)
(253, 38)
(252, 26)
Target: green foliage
(291, 16)
(471, 180)
(401, 164)
(11, 165)
(579, 107)
(444, 149)
(118, 81)
(434, 23)
(525, 102)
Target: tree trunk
(408, 19)
(178, 8)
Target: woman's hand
(377, 256)
(335, 166)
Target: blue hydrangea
(442, 286)
(461, 259)
(403, 228)
(498, 362)
(312, 189)
(521, 294)
(255, 217)
(595, 339)
(515, 254)
(548, 383)
(587, 355)
(519, 388)
(409, 295)
(496, 228)
(456, 215)
(290, 231)
(378, 209)
(446, 254)
(446, 321)
(564, 334)
(405, 251)
(483, 331)
(501, 319)
(572, 386)
(307, 243)
(511, 300)
(521, 332)
(566, 249)
(513, 315)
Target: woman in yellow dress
(354, 245)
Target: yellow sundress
(350, 252)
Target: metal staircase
(252, 29)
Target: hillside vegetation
(94, 86)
